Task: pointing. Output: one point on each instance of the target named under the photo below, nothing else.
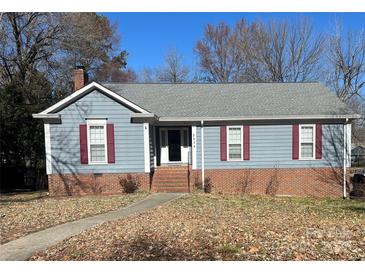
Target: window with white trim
(307, 141)
(234, 143)
(97, 141)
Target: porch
(172, 158)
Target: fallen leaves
(253, 249)
(23, 214)
(212, 227)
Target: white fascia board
(75, 95)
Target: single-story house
(260, 138)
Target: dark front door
(174, 145)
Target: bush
(208, 185)
(129, 184)
(198, 184)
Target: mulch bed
(208, 227)
(22, 214)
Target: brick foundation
(86, 184)
(316, 182)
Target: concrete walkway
(21, 249)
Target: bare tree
(305, 52)
(27, 44)
(173, 70)
(346, 74)
(148, 75)
(289, 53)
(219, 53)
(260, 52)
(347, 65)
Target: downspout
(344, 158)
(202, 144)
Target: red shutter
(110, 143)
(295, 142)
(318, 141)
(83, 144)
(246, 142)
(223, 143)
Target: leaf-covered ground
(21, 214)
(208, 227)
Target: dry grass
(208, 227)
(21, 214)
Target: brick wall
(84, 184)
(317, 182)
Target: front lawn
(21, 214)
(209, 227)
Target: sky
(148, 36)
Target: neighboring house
(265, 138)
(358, 155)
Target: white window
(307, 141)
(234, 143)
(97, 141)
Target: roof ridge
(220, 83)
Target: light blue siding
(271, 145)
(129, 143)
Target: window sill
(92, 164)
(234, 160)
(307, 159)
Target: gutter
(52, 118)
(202, 148)
(254, 118)
(46, 116)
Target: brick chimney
(80, 77)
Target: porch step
(163, 184)
(174, 190)
(171, 179)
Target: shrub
(208, 185)
(198, 184)
(129, 184)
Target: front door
(174, 145)
(174, 139)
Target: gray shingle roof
(232, 100)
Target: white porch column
(345, 156)
(146, 137)
(154, 147)
(193, 147)
(202, 144)
(47, 144)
